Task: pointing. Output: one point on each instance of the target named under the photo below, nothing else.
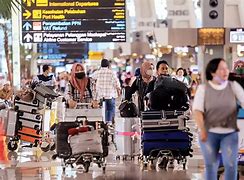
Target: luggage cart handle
(81, 117)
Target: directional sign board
(73, 21)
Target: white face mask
(219, 80)
(149, 72)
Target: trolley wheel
(36, 143)
(54, 157)
(45, 149)
(53, 147)
(117, 158)
(99, 165)
(104, 169)
(124, 158)
(132, 158)
(184, 166)
(86, 165)
(64, 169)
(12, 146)
(163, 164)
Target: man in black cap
(107, 88)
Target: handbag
(128, 109)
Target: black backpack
(128, 109)
(169, 94)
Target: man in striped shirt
(107, 88)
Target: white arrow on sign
(28, 37)
(27, 26)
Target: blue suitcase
(173, 135)
(178, 142)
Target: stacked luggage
(26, 119)
(165, 136)
(82, 142)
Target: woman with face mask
(141, 83)
(215, 112)
(79, 87)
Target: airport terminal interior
(121, 89)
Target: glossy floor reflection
(33, 164)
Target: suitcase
(176, 140)
(30, 120)
(45, 92)
(123, 133)
(152, 115)
(160, 124)
(178, 148)
(92, 114)
(11, 123)
(42, 99)
(26, 107)
(173, 114)
(29, 135)
(62, 146)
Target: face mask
(80, 75)
(149, 72)
(219, 80)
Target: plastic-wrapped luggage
(123, 137)
(169, 94)
(86, 142)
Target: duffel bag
(128, 109)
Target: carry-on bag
(86, 142)
(62, 146)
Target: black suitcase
(63, 148)
(173, 114)
(150, 115)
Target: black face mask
(80, 75)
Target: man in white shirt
(107, 88)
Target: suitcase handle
(81, 117)
(164, 123)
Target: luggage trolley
(69, 148)
(165, 136)
(27, 121)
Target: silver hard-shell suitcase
(11, 125)
(25, 107)
(123, 136)
(30, 120)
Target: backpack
(128, 109)
(169, 94)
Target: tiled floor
(33, 164)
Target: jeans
(109, 109)
(228, 144)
